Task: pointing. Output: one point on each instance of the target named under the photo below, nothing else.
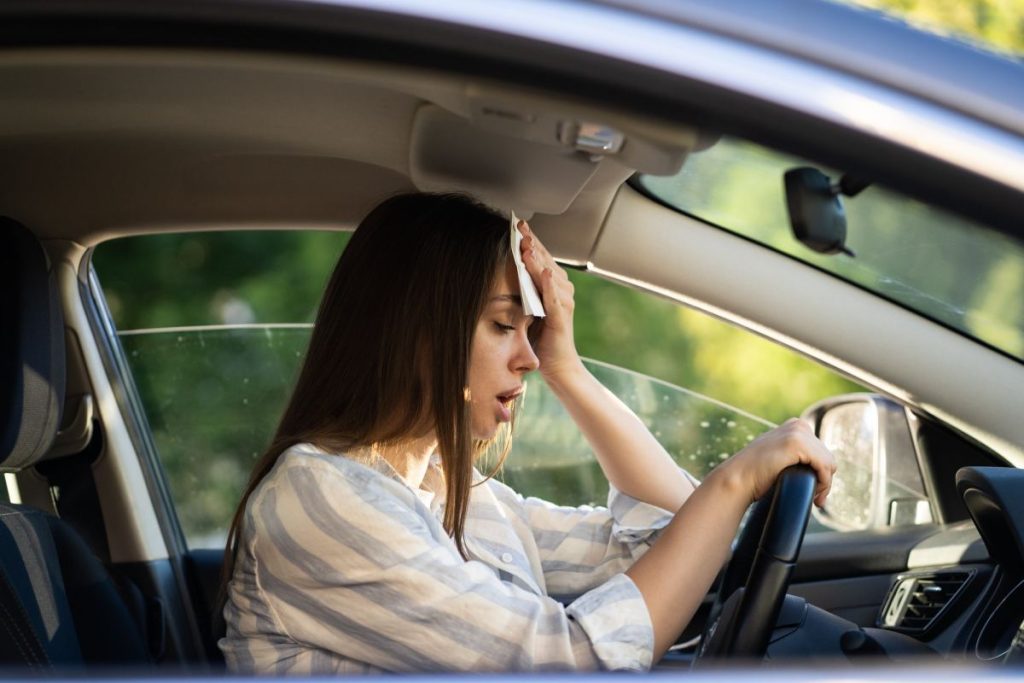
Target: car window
(911, 253)
(551, 459)
(213, 327)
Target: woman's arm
(630, 456)
(674, 575)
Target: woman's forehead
(506, 285)
(506, 298)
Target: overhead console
(448, 152)
(534, 154)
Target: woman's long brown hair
(388, 358)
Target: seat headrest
(31, 349)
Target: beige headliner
(101, 143)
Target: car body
(122, 120)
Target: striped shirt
(343, 568)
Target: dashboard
(963, 593)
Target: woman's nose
(525, 359)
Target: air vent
(917, 602)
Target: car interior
(99, 143)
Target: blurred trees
(660, 338)
(997, 24)
(956, 272)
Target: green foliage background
(994, 24)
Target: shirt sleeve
(582, 547)
(348, 564)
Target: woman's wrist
(565, 376)
(730, 483)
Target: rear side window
(213, 326)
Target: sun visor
(447, 152)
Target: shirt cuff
(636, 522)
(617, 623)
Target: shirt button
(506, 558)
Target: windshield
(949, 269)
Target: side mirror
(878, 482)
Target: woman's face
(501, 355)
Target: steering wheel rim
(755, 580)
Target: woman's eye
(505, 328)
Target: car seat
(59, 607)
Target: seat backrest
(59, 607)
(31, 349)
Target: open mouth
(505, 401)
(510, 396)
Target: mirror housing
(816, 212)
(878, 482)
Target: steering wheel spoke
(755, 581)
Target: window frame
(129, 402)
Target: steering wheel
(755, 581)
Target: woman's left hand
(555, 346)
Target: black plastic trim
(966, 591)
(841, 554)
(157, 580)
(944, 450)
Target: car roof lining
(156, 140)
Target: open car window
(951, 270)
(213, 327)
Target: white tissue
(528, 291)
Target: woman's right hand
(674, 575)
(755, 468)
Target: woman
(367, 541)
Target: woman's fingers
(538, 261)
(534, 245)
(813, 453)
(821, 460)
(792, 442)
(554, 344)
(528, 246)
